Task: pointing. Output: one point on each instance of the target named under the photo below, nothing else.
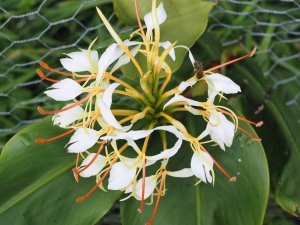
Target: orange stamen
(82, 198)
(75, 173)
(162, 181)
(231, 179)
(257, 124)
(138, 18)
(94, 158)
(42, 76)
(42, 140)
(47, 67)
(43, 112)
(250, 135)
(250, 54)
(143, 187)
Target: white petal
(220, 83)
(166, 45)
(180, 98)
(64, 90)
(191, 57)
(111, 54)
(220, 129)
(121, 175)
(172, 130)
(124, 59)
(64, 119)
(104, 104)
(201, 166)
(150, 184)
(95, 167)
(167, 153)
(185, 84)
(161, 17)
(82, 140)
(186, 172)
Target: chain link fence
(31, 31)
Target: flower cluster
(104, 134)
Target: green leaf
(186, 21)
(281, 130)
(37, 184)
(243, 202)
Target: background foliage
(31, 31)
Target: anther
(259, 124)
(42, 76)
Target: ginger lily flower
(201, 165)
(82, 140)
(65, 90)
(65, 118)
(81, 61)
(92, 169)
(220, 130)
(218, 83)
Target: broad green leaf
(243, 202)
(186, 21)
(280, 132)
(37, 184)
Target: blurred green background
(34, 30)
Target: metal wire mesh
(31, 31)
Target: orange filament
(47, 67)
(138, 18)
(257, 124)
(94, 158)
(250, 135)
(250, 54)
(82, 198)
(42, 140)
(143, 187)
(162, 181)
(42, 76)
(76, 168)
(43, 112)
(231, 179)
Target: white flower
(161, 17)
(111, 54)
(150, 184)
(122, 174)
(65, 118)
(82, 140)
(183, 173)
(166, 45)
(201, 165)
(64, 90)
(220, 130)
(104, 103)
(96, 166)
(219, 83)
(81, 61)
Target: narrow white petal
(180, 98)
(172, 130)
(201, 165)
(124, 59)
(82, 140)
(161, 17)
(191, 57)
(150, 184)
(104, 104)
(121, 175)
(185, 84)
(186, 172)
(166, 45)
(95, 167)
(111, 54)
(64, 90)
(64, 119)
(167, 153)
